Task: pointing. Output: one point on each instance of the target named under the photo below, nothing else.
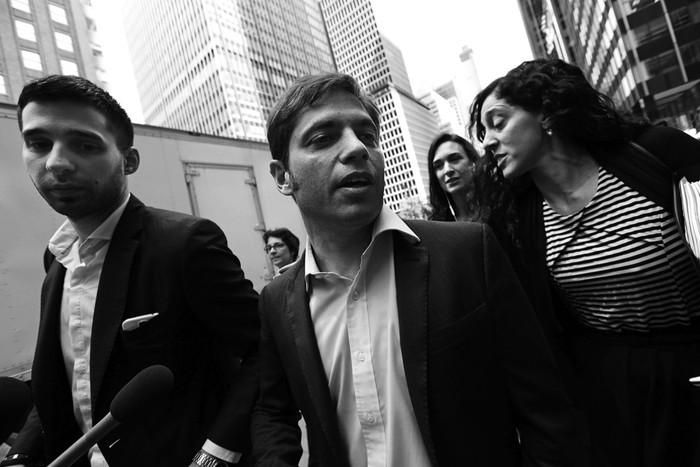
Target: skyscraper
(448, 91)
(407, 125)
(467, 83)
(543, 24)
(217, 66)
(449, 120)
(643, 53)
(42, 37)
(457, 93)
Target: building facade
(450, 101)
(465, 85)
(42, 37)
(217, 66)
(407, 125)
(448, 118)
(645, 54)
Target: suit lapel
(411, 272)
(48, 369)
(51, 295)
(299, 315)
(111, 299)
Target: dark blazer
(476, 361)
(180, 267)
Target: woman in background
(451, 160)
(582, 199)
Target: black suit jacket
(476, 361)
(180, 267)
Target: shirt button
(355, 295)
(361, 355)
(370, 418)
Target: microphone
(145, 388)
(15, 404)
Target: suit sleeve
(275, 427)
(226, 303)
(675, 148)
(544, 415)
(29, 440)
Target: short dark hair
(439, 200)
(303, 93)
(53, 88)
(289, 239)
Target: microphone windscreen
(15, 404)
(145, 388)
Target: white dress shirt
(356, 322)
(83, 263)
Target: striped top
(621, 263)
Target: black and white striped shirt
(621, 262)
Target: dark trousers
(641, 409)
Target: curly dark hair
(439, 199)
(574, 110)
(289, 239)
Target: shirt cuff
(222, 453)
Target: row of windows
(27, 31)
(396, 177)
(57, 12)
(404, 190)
(32, 61)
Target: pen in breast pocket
(137, 321)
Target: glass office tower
(643, 53)
(407, 125)
(217, 66)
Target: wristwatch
(204, 459)
(16, 459)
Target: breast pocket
(146, 335)
(474, 325)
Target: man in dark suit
(401, 343)
(129, 286)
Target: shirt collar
(66, 235)
(387, 221)
(106, 229)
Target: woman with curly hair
(582, 198)
(451, 161)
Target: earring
(548, 131)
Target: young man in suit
(115, 261)
(401, 343)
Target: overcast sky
(431, 34)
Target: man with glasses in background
(282, 246)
